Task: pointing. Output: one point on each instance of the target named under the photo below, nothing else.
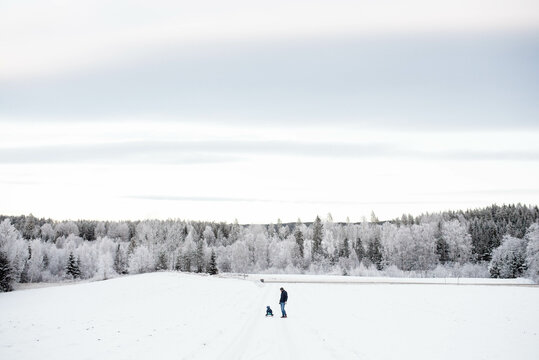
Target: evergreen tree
(359, 249)
(509, 259)
(374, 252)
(132, 246)
(278, 229)
(374, 218)
(317, 240)
(178, 264)
(186, 261)
(199, 256)
(298, 235)
(45, 261)
(212, 266)
(120, 265)
(161, 262)
(73, 267)
(29, 229)
(6, 273)
(442, 248)
(344, 252)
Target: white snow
(183, 316)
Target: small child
(269, 312)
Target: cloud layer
(215, 151)
(419, 82)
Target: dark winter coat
(284, 297)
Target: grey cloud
(291, 201)
(187, 152)
(192, 198)
(488, 192)
(414, 83)
(124, 152)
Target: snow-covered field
(182, 316)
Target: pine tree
(374, 219)
(120, 265)
(442, 248)
(6, 274)
(212, 266)
(73, 267)
(161, 262)
(45, 261)
(317, 240)
(359, 249)
(298, 235)
(29, 228)
(374, 253)
(344, 252)
(132, 246)
(199, 256)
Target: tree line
(496, 241)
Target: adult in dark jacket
(282, 301)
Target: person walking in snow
(282, 301)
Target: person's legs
(283, 312)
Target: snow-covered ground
(183, 316)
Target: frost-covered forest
(497, 241)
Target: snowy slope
(183, 316)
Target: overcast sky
(213, 110)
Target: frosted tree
(235, 233)
(282, 252)
(105, 249)
(187, 257)
(509, 259)
(30, 229)
(209, 236)
(141, 261)
(118, 231)
(14, 247)
(272, 232)
(374, 252)
(146, 233)
(6, 278)
(317, 250)
(224, 262)
(199, 256)
(175, 236)
(332, 239)
(458, 240)
(411, 248)
(532, 251)
(299, 252)
(72, 267)
(100, 230)
(262, 255)
(47, 232)
(359, 250)
(240, 259)
(424, 247)
(442, 248)
(161, 262)
(282, 230)
(212, 266)
(36, 263)
(120, 260)
(67, 228)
